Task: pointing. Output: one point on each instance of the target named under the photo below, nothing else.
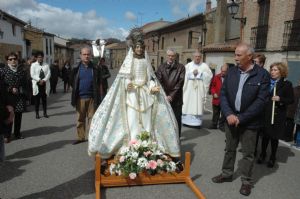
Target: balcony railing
(259, 35)
(291, 35)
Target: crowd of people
(249, 103)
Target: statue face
(139, 50)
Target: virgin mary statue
(135, 103)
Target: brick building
(185, 36)
(34, 39)
(62, 52)
(273, 28)
(116, 54)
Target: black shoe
(46, 116)
(222, 128)
(18, 137)
(271, 163)
(245, 189)
(212, 127)
(220, 179)
(37, 116)
(261, 159)
(78, 142)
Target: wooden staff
(273, 105)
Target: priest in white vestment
(135, 103)
(195, 88)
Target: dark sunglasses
(10, 59)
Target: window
(161, 60)
(190, 39)
(50, 45)
(162, 42)
(259, 34)
(13, 28)
(264, 10)
(46, 46)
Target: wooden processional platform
(145, 179)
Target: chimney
(208, 6)
(220, 25)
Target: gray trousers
(247, 137)
(2, 152)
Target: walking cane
(273, 105)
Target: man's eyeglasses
(10, 59)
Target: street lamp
(233, 9)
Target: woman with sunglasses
(14, 78)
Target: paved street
(46, 165)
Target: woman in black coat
(66, 76)
(14, 78)
(282, 98)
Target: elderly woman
(281, 95)
(14, 78)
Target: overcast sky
(93, 19)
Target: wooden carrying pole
(273, 105)
(146, 179)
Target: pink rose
(147, 153)
(122, 158)
(152, 164)
(132, 176)
(133, 142)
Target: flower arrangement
(141, 155)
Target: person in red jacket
(216, 85)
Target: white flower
(134, 155)
(112, 168)
(137, 145)
(124, 150)
(132, 176)
(145, 143)
(142, 162)
(158, 152)
(119, 172)
(160, 163)
(172, 166)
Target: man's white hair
(171, 50)
(197, 53)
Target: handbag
(42, 74)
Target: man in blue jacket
(243, 97)
(86, 81)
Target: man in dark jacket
(243, 97)
(54, 68)
(105, 75)
(85, 80)
(171, 76)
